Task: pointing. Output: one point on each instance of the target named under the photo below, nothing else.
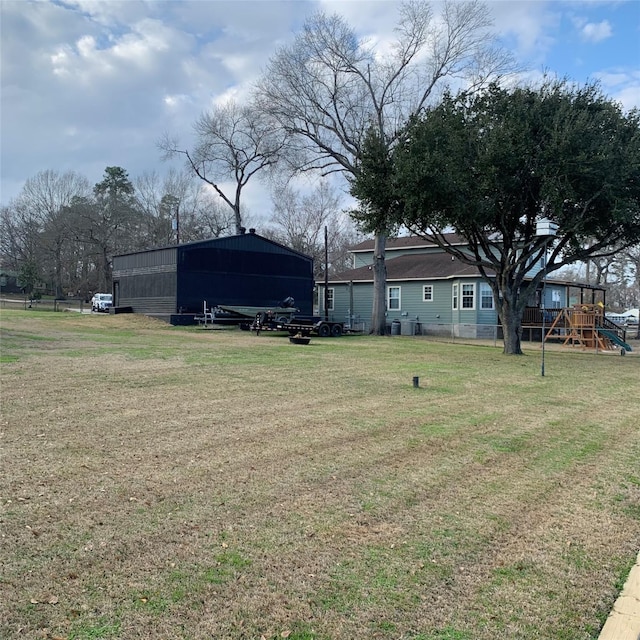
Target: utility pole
(177, 223)
(326, 274)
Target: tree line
(60, 234)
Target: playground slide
(615, 339)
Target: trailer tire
(336, 330)
(324, 330)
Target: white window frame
(330, 296)
(466, 296)
(454, 297)
(398, 298)
(486, 292)
(427, 293)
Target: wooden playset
(586, 326)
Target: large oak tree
(491, 165)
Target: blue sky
(88, 84)
(587, 40)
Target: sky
(87, 84)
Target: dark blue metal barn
(243, 270)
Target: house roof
(425, 266)
(407, 242)
(413, 267)
(429, 266)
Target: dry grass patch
(165, 482)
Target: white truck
(101, 302)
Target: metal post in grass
(547, 230)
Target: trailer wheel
(324, 330)
(336, 330)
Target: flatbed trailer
(304, 326)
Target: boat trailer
(303, 326)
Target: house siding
(361, 293)
(436, 316)
(135, 291)
(410, 266)
(555, 296)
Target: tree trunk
(105, 274)
(378, 319)
(59, 291)
(511, 328)
(238, 221)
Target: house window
(468, 296)
(486, 296)
(393, 298)
(454, 297)
(427, 293)
(329, 298)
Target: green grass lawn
(172, 482)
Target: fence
(45, 304)
(460, 332)
(473, 333)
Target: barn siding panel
(243, 270)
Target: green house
(429, 292)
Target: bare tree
(618, 271)
(42, 220)
(632, 256)
(299, 221)
(178, 207)
(233, 144)
(159, 200)
(212, 218)
(328, 88)
(48, 191)
(20, 234)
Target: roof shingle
(408, 242)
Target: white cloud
(143, 49)
(147, 39)
(92, 83)
(529, 29)
(595, 32)
(629, 96)
(621, 86)
(108, 13)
